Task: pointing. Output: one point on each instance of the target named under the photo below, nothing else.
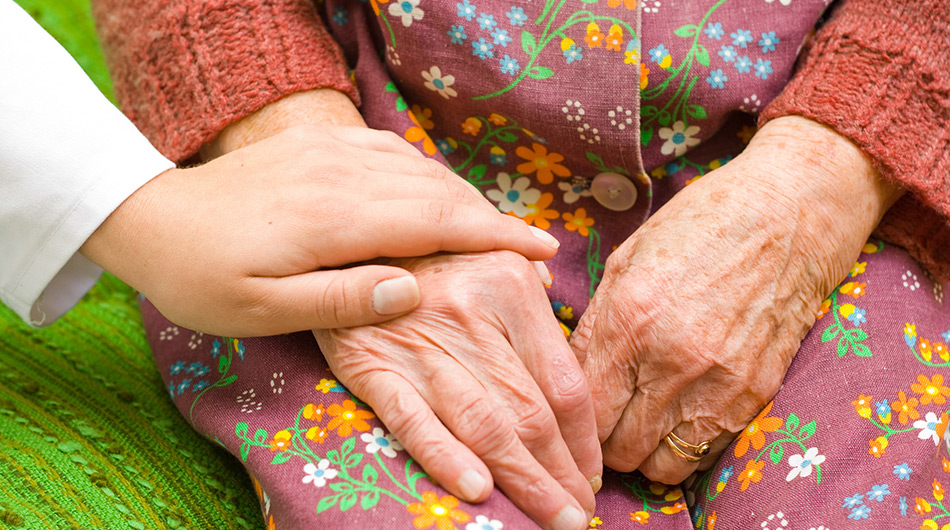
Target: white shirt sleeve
(68, 158)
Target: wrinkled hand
(235, 246)
(702, 310)
(479, 383)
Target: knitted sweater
(877, 73)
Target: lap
(853, 439)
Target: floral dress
(582, 117)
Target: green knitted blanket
(88, 436)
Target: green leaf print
(369, 474)
(807, 431)
(347, 501)
(326, 503)
(830, 333)
(528, 42)
(369, 500)
(281, 457)
(776, 453)
(686, 31)
(792, 422)
(540, 72)
(702, 55)
(696, 111)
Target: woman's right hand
(239, 246)
(479, 383)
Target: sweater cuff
(184, 70)
(878, 74)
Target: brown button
(614, 191)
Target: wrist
(323, 106)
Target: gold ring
(685, 450)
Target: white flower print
(382, 442)
(407, 9)
(573, 191)
(775, 521)
(928, 427)
(168, 333)
(910, 281)
(679, 138)
(515, 197)
(437, 82)
(484, 523)
(783, 2)
(318, 474)
(938, 292)
(802, 464)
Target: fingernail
(596, 482)
(397, 295)
(471, 484)
(545, 237)
(570, 518)
(543, 272)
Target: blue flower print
(741, 37)
(853, 501)
(904, 506)
(482, 49)
(573, 53)
(509, 66)
(857, 316)
(725, 474)
(516, 16)
(466, 10)
(215, 348)
(445, 147)
(458, 34)
(878, 492)
(728, 53)
(883, 408)
(199, 386)
(861, 512)
(743, 64)
(171, 389)
(763, 68)
(240, 349)
(768, 42)
(193, 367)
(177, 368)
(717, 79)
(714, 30)
(500, 159)
(183, 386)
(339, 16)
(202, 371)
(659, 53)
(903, 471)
(946, 336)
(500, 36)
(486, 21)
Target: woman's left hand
(703, 308)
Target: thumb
(338, 298)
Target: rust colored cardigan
(878, 73)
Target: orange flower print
(938, 490)
(281, 441)
(823, 310)
(614, 38)
(754, 433)
(941, 350)
(416, 133)
(862, 406)
(855, 289)
(925, 351)
(497, 119)
(316, 434)
(640, 517)
(375, 5)
(906, 409)
(931, 389)
(270, 523)
(423, 117)
(540, 160)
(325, 385)
(432, 509)
(472, 126)
(711, 522)
(346, 418)
(878, 446)
(594, 38)
(751, 473)
(941, 427)
(746, 133)
(644, 76)
(313, 412)
(578, 221)
(921, 506)
(946, 465)
(676, 508)
(629, 4)
(538, 214)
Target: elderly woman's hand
(703, 308)
(479, 383)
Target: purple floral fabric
(533, 103)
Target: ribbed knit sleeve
(879, 73)
(185, 69)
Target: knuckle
(433, 169)
(571, 391)
(535, 423)
(438, 212)
(483, 429)
(335, 303)
(402, 416)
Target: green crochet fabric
(88, 436)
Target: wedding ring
(685, 450)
